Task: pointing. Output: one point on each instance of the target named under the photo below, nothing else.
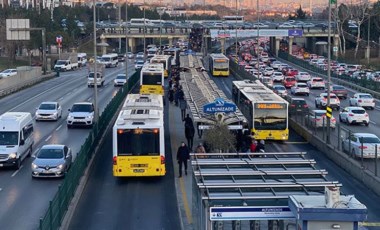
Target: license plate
(138, 170)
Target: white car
(317, 119)
(267, 81)
(275, 64)
(81, 114)
(120, 80)
(8, 73)
(300, 88)
(277, 76)
(354, 115)
(140, 55)
(280, 90)
(48, 111)
(316, 82)
(364, 100)
(321, 101)
(358, 142)
(282, 66)
(268, 71)
(139, 64)
(303, 76)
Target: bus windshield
(138, 142)
(160, 61)
(270, 119)
(221, 64)
(152, 79)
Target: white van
(110, 60)
(16, 138)
(82, 59)
(141, 22)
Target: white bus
(219, 65)
(152, 79)
(82, 59)
(165, 60)
(233, 19)
(110, 60)
(174, 52)
(141, 22)
(138, 137)
(267, 112)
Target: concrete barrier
(340, 158)
(26, 76)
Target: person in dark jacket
(260, 146)
(188, 121)
(183, 155)
(189, 133)
(183, 106)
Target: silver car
(48, 111)
(52, 161)
(358, 142)
(120, 80)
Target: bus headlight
(13, 155)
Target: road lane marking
(34, 153)
(89, 99)
(60, 99)
(372, 122)
(296, 142)
(58, 128)
(48, 138)
(185, 202)
(15, 173)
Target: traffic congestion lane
(17, 186)
(127, 203)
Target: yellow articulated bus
(138, 137)
(219, 65)
(165, 60)
(152, 79)
(267, 113)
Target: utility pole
(328, 74)
(119, 25)
(144, 42)
(96, 117)
(236, 34)
(126, 40)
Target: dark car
(297, 105)
(339, 91)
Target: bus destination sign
(219, 106)
(270, 106)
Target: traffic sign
(328, 112)
(59, 39)
(219, 106)
(335, 48)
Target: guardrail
(59, 204)
(362, 85)
(14, 88)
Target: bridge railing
(140, 30)
(362, 85)
(59, 204)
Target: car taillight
(359, 100)
(162, 160)
(292, 106)
(114, 160)
(306, 106)
(363, 147)
(366, 115)
(333, 119)
(350, 114)
(318, 119)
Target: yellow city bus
(219, 65)
(165, 60)
(152, 79)
(138, 137)
(267, 112)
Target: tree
(359, 15)
(343, 13)
(219, 138)
(300, 14)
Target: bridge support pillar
(170, 41)
(103, 40)
(277, 45)
(335, 44)
(290, 48)
(223, 45)
(132, 44)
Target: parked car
(364, 100)
(354, 115)
(289, 82)
(8, 73)
(357, 143)
(316, 82)
(321, 101)
(52, 161)
(120, 80)
(280, 90)
(317, 119)
(300, 88)
(48, 111)
(339, 91)
(297, 105)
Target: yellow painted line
(181, 182)
(296, 142)
(368, 224)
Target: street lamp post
(144, 42)
(258, 40)
(328, 74)
(160, 32)
(126, 39)
(96, 112)
(368, 39)
(236, 34)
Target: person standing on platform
(183, 155)
(189, 133)
(183, 106)
(188, 121)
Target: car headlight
(37, 113)
(60, 166)
(34, 166)
(70, 117)
(55, 113)
(13, 155)
(90, 116)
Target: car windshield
(317, 80)
(279, 87)
(82, 108)
(369, 140)
(6, 71)
(140, 62)
(289, 79)
(338, 88)
(299, 102)
(50, 154)
(302, 85)
(358, 111)
(320, 114)
(47, 106)
(8, 138)
(61, 62)
(120, 77)
(365, 96)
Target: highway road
(24, 200)
(297, 143)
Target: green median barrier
(59, 204)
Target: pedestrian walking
(183, 155)
(171, 95)
(183, 106)
(189, 134)
(188, 121)
(260, 146)
(200, 148)
(253, 145)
